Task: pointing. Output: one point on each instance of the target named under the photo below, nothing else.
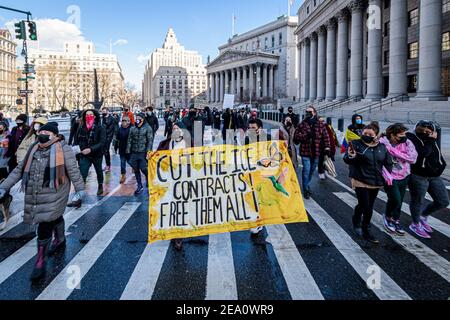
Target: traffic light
(32, 30)
(20, 30)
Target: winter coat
(121, 140)
(367, 166)
(4, 142)
(74, 126)
(294, 117)
(216, 119)
(130, 116)
(140, 140)
(43, 204)
(403, 156)
(312, 138)
(356, 128)
(15, 139)
(430, 161)
(229, 121)
(242, 122)
(110, 126)
(288, 136)
(94, 139)
(153, 122)
(24, 146)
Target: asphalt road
(319, 260)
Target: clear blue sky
(200, 25)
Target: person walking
(334, 144)
(354, 132)
(47, 173)
(128, 114)
(229, 126)
(140, 143)
(110, 126)
(121, 143)
(287, 134)
(294, 117)
(367, 158)
(404, 155)
(30, 138)
(152, 120)
(18, 133)
(91, 138)
(5, 202)
(426, 177)
(312, 136)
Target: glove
(3, 193)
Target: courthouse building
(257, 65)
(8, 70)
(374, 49)
(173, 75)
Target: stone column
(238, 83)
(356, 60)
(430, 50)
(271, 76)
(300, 70)
(331, 61)
(208, 85)
(313, 69)
(227, 81)
(264, 82)
(222, 86)
(245, 80)
(305, 68)
(233, 82)
(217, 87)
(398, 54)
(321, 64)
(251, 81)
(374, 58)
(342, 56)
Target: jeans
(309, 168)
(124, 159)
(418, 188)
(364, 209)
(138, 162)
(85, 165)
(45, 229)
(396, 194)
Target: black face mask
(402, 140)
(2, 131)
(426, 137)
(43, 138)
(105, 115)
(309, 115)
(368, 139)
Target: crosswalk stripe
(221, 278)
(437, 224)
(13, 222)
(28, 251)
(143, 281)
(299, 280)
(429, 198)
(59, 289)
(427, 256)
(353, 253)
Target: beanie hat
(51, 126)
(181, 125)
(22, 117)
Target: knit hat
(41, 120)
(180, 125)
(141, 115)
(22, 117)
(51, 126)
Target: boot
(123, 179)
(41, 260)
(100, 190)
(75, 204)
(59, 240)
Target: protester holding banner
(312, 136)
(367, 159)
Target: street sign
(26, 91)
(21, 79)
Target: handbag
(329, 167)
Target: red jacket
(130, 116)
(310, 138)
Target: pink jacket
(404, 155)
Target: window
(387, 29)
(273, 41)
(386, 57)
(281, 39)
(307, 10)
(446, 6)
(266, 43)
(413, 17)
(446, 41)
(413, 50)
(387, 4)
(412, 83)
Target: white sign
(228, 101)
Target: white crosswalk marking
(13, 222)
(299, 280)
(353, 253)
(143, 281)
(437, 224)
(427, 256)
(58, 289)
(429, 198)
(28, 251)
(221, 278)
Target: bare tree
(128, 96)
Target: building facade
(257, 65)
(173, 75)
(8, 70)
(355, 49)
(66, 78)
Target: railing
(380, 104)
(334, 105)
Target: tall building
(257, 65)
(374, 49)
(8, 70)
(173, 75)
(66, 78)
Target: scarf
(57, 165)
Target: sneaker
(3, 225)
(123, 179)
(388, 224)
(100, 190)
(322, 176)
(107, 169)
(399, 229)
(426, 226)
(419, 230)
(307, 194)
(368, 236)
(139, 190)
(256, 231)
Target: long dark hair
(395, 129)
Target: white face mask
(36, 127)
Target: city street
(107, 247)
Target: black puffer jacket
(110, 125)
(367, 166)
(430, 162)
(94, 139)
(140, 139)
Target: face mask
(36, 127)
(43, 138)
(105, 115)
(288, 124)
(90, 121)
(19, 124)
(368, 139)
(425, 136)
(402, 140)
(138, 122)
(309, 115)
(359, 122)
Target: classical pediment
(233, 56)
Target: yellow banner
(208, 190)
